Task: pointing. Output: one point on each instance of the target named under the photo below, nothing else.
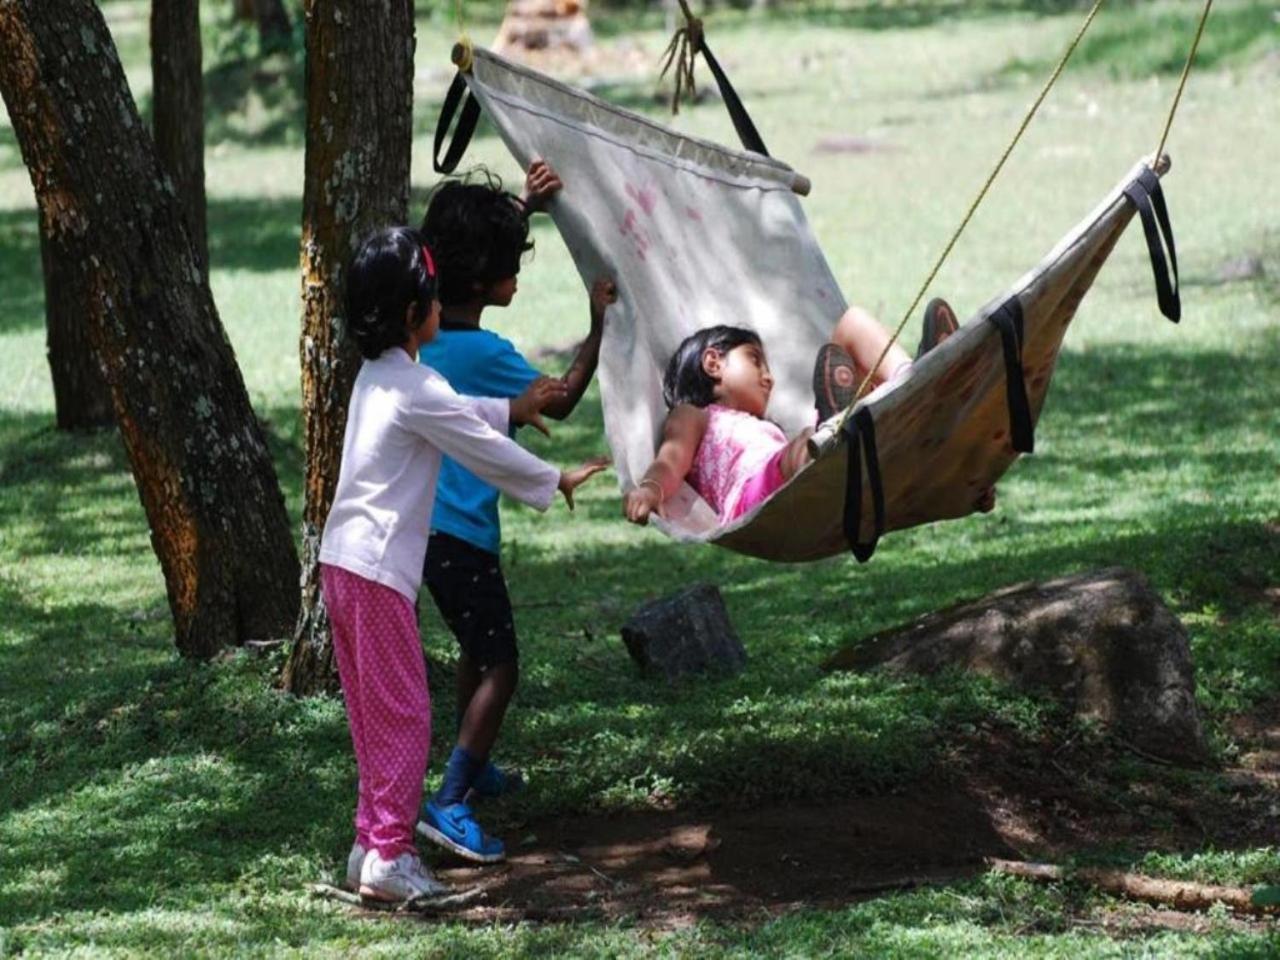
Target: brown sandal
(835, 380)
(939, 323)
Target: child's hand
(540, 183)
(603, 292)
(641, 502)
(527, 408)
(570, 480)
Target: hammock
(695, 234)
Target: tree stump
(687, 632)
(544, 26)
(1101, 642)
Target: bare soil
(993, 796)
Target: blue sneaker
(455, 828)
(494, 782)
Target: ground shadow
(236, 771)
(673, 868)
(21, 273)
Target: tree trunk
(203, 472)
(273, 22)
(179, 110)
(359, 134)
(244, 9)
(81, 399)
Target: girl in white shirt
(401, 418)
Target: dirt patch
(993, 796)
(674, 868)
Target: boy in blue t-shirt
(478, 233)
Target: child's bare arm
(681, 435)
(530, 405)
(797, 453)
(578, 377)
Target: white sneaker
(404, 878)
(355, 860)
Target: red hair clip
(431, 264)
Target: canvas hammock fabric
(696, 234)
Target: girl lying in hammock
(717, 386)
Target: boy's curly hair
(478, 233)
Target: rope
(463, 51)
(681, 51)
(1186, 71)
(974, 206)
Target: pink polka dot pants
(384, 683)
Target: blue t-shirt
(477, 363)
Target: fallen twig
(1178, 894)
(1137, 751)
(418, 905)
(571, 858)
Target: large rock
(1102, 642)
(687, 632)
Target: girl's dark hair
(480, 232)
(685, 380)
(389, 271)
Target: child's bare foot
(835, 380)
(939, 323)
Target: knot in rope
(681, 51)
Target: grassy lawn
(151, 805)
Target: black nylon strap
(1008, 320)
(1147, 196)
(853, 488)
(747, 131)
(860, 439)
(458, 95)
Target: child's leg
(396, 709)
(488, 706)
(863, 338)
(466, 684)
(468, 587)
(338, 588)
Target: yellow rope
(974, 206)
(463, 52)
(1186, 71)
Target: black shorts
(467, 585)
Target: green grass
(150, 805)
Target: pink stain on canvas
(693, 214)
(643, 196)
(631, 229)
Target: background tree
(359, 139)
(199, 459)
(271, 17)
(178, 121)
(81, 398)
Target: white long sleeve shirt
(402, 417)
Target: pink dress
(738, 463)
